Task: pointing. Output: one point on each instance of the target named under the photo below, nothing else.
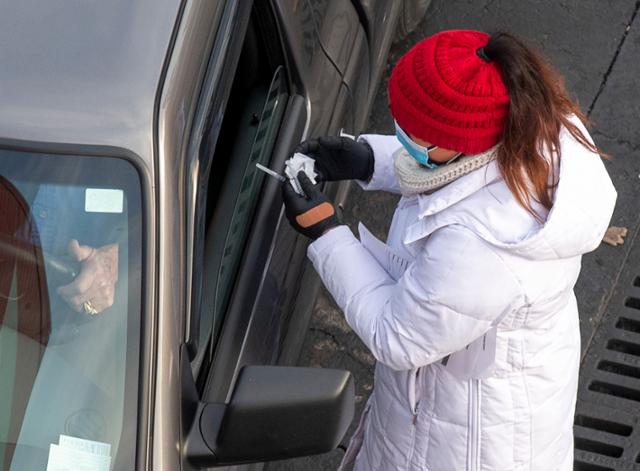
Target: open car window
(252, 119)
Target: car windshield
(70, 311)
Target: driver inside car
(80, 365)
(92, 290)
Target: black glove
(310, 216)
(339, 158)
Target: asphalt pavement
(595, 44)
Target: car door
(233, 280)
(247, 261)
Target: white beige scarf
(414, 178)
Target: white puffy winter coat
(477, 342)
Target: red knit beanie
(442, 91)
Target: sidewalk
(596, 45)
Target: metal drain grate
(607, 434)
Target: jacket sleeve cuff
(384, 176)
(323, 244)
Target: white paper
(89, 446)
(69, 459)
(77, 454)
(477, 359)
(103, 200)
(394, 264)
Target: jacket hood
(583, 205)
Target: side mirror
(274, 413)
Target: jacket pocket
(415, 392)
(474, 431)
(415, 395)
(357, 439)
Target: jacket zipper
(473, 457)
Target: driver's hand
(97, 279)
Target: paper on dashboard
(77, 454)
(89, 446)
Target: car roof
(83, 71)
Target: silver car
(152, 295)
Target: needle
(268, 171)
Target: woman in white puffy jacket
(469, 306)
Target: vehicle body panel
(177, 105)
(129, 79)
(380, 19)
(84, 72)
(334, 22)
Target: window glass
(251, 130)
(70, 304)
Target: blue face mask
(418, 152)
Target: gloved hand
(339, 158)
(311, 216)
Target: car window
(70, 303)
(252, 120)
(231, 218)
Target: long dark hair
(539, 107)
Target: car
(153, 298)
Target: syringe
(294, 181)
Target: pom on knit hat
(445, 92)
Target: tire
(411, 14)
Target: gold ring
(89, 309)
